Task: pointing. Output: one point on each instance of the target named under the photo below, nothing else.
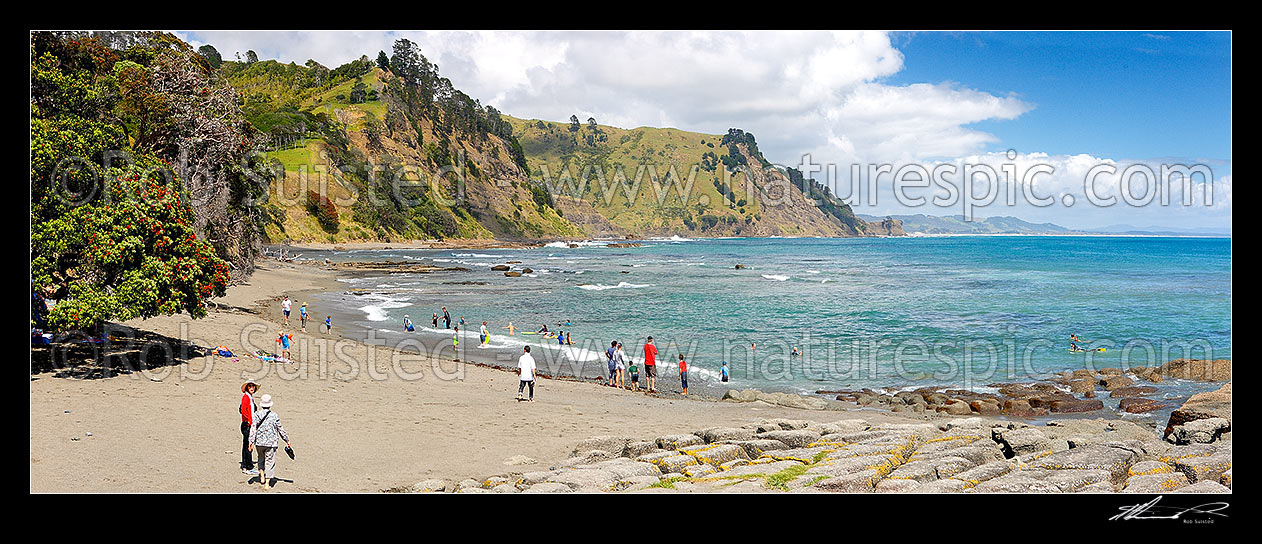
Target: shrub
(323, 210)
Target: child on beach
(328, 324)
(284, 341)
(683, 373)
(455, 338)
(302, 316)
(723, 372)
(407, 324)
(485, 336)
(284, 306)
(635, 377)
(435, 321)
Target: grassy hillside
(398, 158)
(381, 143)
(662, 181)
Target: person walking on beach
(526, 370)
(455, 338)
(609, 359)
(302, 316)
(247, 410)
(485, 336)
(446, 318)
(285, 306)
(683, 373)
(650, 366)
(723, 373)
(266, 435)
(328, 324)
(620, 367)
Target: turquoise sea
(960, 312)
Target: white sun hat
(265, 401)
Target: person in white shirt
(526, 368)
(285, 306)
(486, 336)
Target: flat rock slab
(1155, 483)
(755, 448)
(801, 455)
(612, 444)
(719, 434)
(1117, 461)
(1205, 487)
(548, 487)
(1204, 468)
(716, 454)
(676, 441)
(760, 468)
(798, 438)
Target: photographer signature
(1150, 510)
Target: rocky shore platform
(1135, 390)
(959, 455)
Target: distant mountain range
(955, 224)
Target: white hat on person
(265, 401)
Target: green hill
(662, 181)
(398, 157)
(347, 134)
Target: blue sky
(1136, 95)
(1070, 100)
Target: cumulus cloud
(1077, 191)
(825, 94)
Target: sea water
(896, 313)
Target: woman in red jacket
(247, 422)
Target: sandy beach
(174, 428)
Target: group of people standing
(286, 306)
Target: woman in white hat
(266, 435)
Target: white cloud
(823, 93)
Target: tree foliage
(143, 180)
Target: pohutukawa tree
(141, 188)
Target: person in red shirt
(683, 373)
(247, 421)
(650, 365)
